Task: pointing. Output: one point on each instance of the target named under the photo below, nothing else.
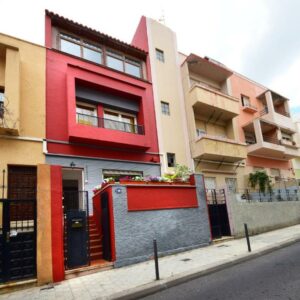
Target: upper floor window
(122, 63)
(81, 48)
(89, 51)
(86, 114)
(245, 100)
(119, 120)
(171, 160)
(160, 55)
(165, 108)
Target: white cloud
(287, 83)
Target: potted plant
(261, 179)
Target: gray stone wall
(174, 229)
(261, 216)
(93, 169)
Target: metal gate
(218, 215)
(17, 239)
(76, 229)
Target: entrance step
(96, 255)
(96, 266)
(13, 286)
(222, 239)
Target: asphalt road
(272, 276)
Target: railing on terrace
(284, 113)
(215, 196)
(109, 124)
(264, 111)
(272, 140)
(276, 195)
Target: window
(245, 100)
(160, 55)
(117, 174)
(86, 114)
(122, 63)
(165, 108)
(171, 160)
(89, 51)
(120, 121)
(1, 103)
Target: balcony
(106, 132)
(219, 149)
(249, 108)
(276, 110)
(109, 124)
(262, 140)
(213, 102)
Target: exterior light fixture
(72, 164)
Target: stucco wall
(261, 216)
(174, 229)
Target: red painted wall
(97, 215)
(61, 72)
(57, 224)
(155, 197)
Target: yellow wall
(172, 131)
(22, 73)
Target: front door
(17, 240)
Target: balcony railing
(264, 111)
(109, 124)
(283, 113)
(270, 139)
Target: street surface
(272, 276)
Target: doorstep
(9, 287)
(222, 239)
(96, 266)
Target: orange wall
(241, 86)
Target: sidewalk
(137, 280)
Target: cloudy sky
(258, 38)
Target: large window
(86, 114)
(89, 51)
(120, 121)
(122, 63)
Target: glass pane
(92, 55)
(114, 63)
(132, 69)
(69, 47)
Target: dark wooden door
(22, 181)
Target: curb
(156, 286)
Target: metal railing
(109, 124)
(276, 195)
(264, 111)
(215, 196)
(270, 139)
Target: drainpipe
(45, 150)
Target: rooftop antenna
(162, 18)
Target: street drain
(186, 259)
(222, 246)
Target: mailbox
(77, 223)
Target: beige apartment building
(161, 43)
